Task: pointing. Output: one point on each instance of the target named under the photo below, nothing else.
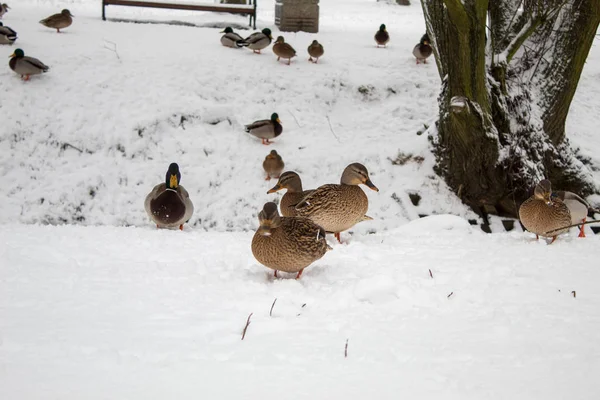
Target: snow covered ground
(106, 307)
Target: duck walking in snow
(257, 41)
(382, 37)
(230, 38)
(422, 50)
(3, 9)
(545, 211)
(169, 204)
(7, 35)
(283, 50)
(58, 21)
(26, 66)
(273, 165)
(315, 50)
(266, 129)
(339, 207)
(287, 244)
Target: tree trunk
(504, 101)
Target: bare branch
(272, 305)
(246, 327)
(346, 349)
(331, 128)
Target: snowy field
(107, 307)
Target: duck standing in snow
(169, 204)
(283, 50)
(58, 21)
(545, 212)
(266, 129)
(3, 9)
(339, 207)
(230, 38)
(291, 181)
(7, 35)
(382, 37)
(273, 165)
(423, 49)
(315, 50)
(287, 244)
(26, 66)
(257, 41)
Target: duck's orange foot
(275, 274)
(299, 273)
(181, 227)
(553, 239)
(337, 236)
(266, 142)
(582, 229)
(268, 178)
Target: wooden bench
(246, 9)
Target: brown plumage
(287, 244)
(315, 50)
(273, 165)
(283, 50)
(291, 181)
(59, 21)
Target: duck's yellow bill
(173, 182)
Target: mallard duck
(339, 207)
(315, 50)
(422, 50)
(7, 35)
(257, 41)
(287, 244)
(59, 21)
(291, 181)
(266, 129)
(273, 165)
(230, 38)
(169, 204)
(283, 50)
(26, 66)
(3, 9)
(382, 37)
(544, 213)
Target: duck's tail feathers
(241, 43)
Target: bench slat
(230, 8)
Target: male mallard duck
(3, 9)
(339, 207)
(283, 50)
(543, 213)
(257, 41)
(423, 50)
(169, 204)
(291, 181)
(287, 244)
(230, 38)
(59, 21)
(315, 50)
(26, 66)
(7, 35)
(382, 37)
(273, 165)
(266, 129)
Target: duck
(59, 21)
(422, 50)
(257, 41)
(7, 35)
(315, 50)
(230, 38)
(288, 244)
(339, 207)
(273, 165)
(382, 37)
(26, 66)
(3, 9)
(266, 129)
(169, 204)
(546, 212)
(283, 50)
(291, 181)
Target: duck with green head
(382, 37)
(26, 66)
(266, 129)
(230, 38)
(423, 49)
(7, 35)
(257, 41)
(169, 204)
(58, 21)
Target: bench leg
(103, 12)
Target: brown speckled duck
(291, 181)
(382, 37)
(169, 204)
(266, 129)
(287, 244)
(283, 50)
(545, 212)
(58, 21)
(273, 165)
(339, 207)
(423, 49)
(315, 50)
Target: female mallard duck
(59, 21)
(169, 204)
(266, 129)
(339, 207)
(7, 35)
(382, 37)
(3, 9)
(273, 165)
(257, 41)
(287, 244)
(283, 50)
(26, 66)
(230, 38)
(544, 213)
(315, 50)
(291, 181)
(422, 50)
